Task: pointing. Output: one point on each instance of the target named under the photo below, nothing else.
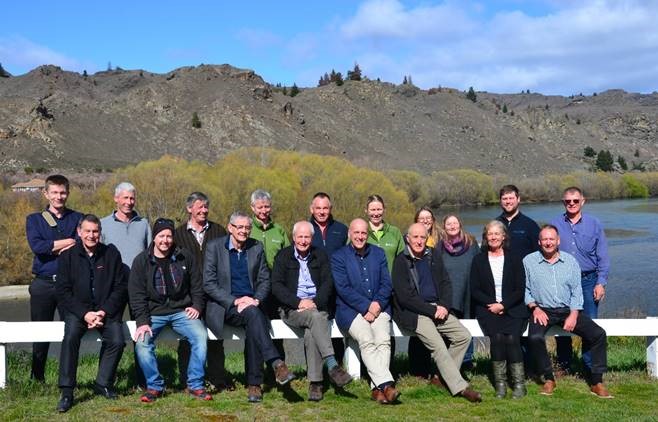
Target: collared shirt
(240, 283)
(523, 232)
(305, 286)
(41, 238)
(553, 285)
(586, 241)
(198, 235)
(362, 263)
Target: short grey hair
(237, 214)
(197, 196)
(303, 223)
(124, 187)
(260, 195)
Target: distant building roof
(32, 185)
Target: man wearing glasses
(237, 281)
(583, 237)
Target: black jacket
(483, 291)
(285, 279)
(73, 287)
(407, 302)
(146, 301)
(183, 238)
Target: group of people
(364, 275)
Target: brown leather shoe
(282, 374)
(548, 388)
(339, 376)
(471, 395)
(254, 394)
(315, 391)
(600, 391)
(435, 380)
(391, 393)
(378, 396)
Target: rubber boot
(518, 380)
(500, 378)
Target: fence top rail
(53, 331)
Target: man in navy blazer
(363, 288)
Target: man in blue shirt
(555, 297)
(363, 286)
(49, 233)
(583, 237)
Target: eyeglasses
(246, 227)
(571, 201)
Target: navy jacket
(73, 286)
(523, 232)
(353, 294)
(335, 236)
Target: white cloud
(577, 47)
(22, 55)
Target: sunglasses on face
(571, 201)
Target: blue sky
(548, 46)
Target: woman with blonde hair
(425, 216)
(497, 291)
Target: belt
(51, 278)
(586, 273)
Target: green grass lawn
(636, 396)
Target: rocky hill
(56, 119)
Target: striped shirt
(555, 285)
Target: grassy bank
(635, 396)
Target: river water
(631, 227)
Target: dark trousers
(43, 303)
(259, 347)
(591, 309)
(110, 354)
(594, 340)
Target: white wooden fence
(28, 332)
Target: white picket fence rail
(28, 332)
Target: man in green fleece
(270, 234)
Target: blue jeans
(193, 330)
(590, 309)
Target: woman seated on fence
(497, 292)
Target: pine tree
(354, 74)
(622, 163)
(336, 77)
(294, 90)
(504, 108)
(589, 152)
(404, 81)
(604, 160)
(471, 95)
(196, 122)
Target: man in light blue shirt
(583, 237)
(554, 297)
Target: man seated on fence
(165, 288)
(92, 292)
(422, 297)
(363, 287)
(555, 297)
(237, 282)
(303, 286)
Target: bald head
(358, 233)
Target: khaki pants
(448, 359)
(317, 338)
(374, 341)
